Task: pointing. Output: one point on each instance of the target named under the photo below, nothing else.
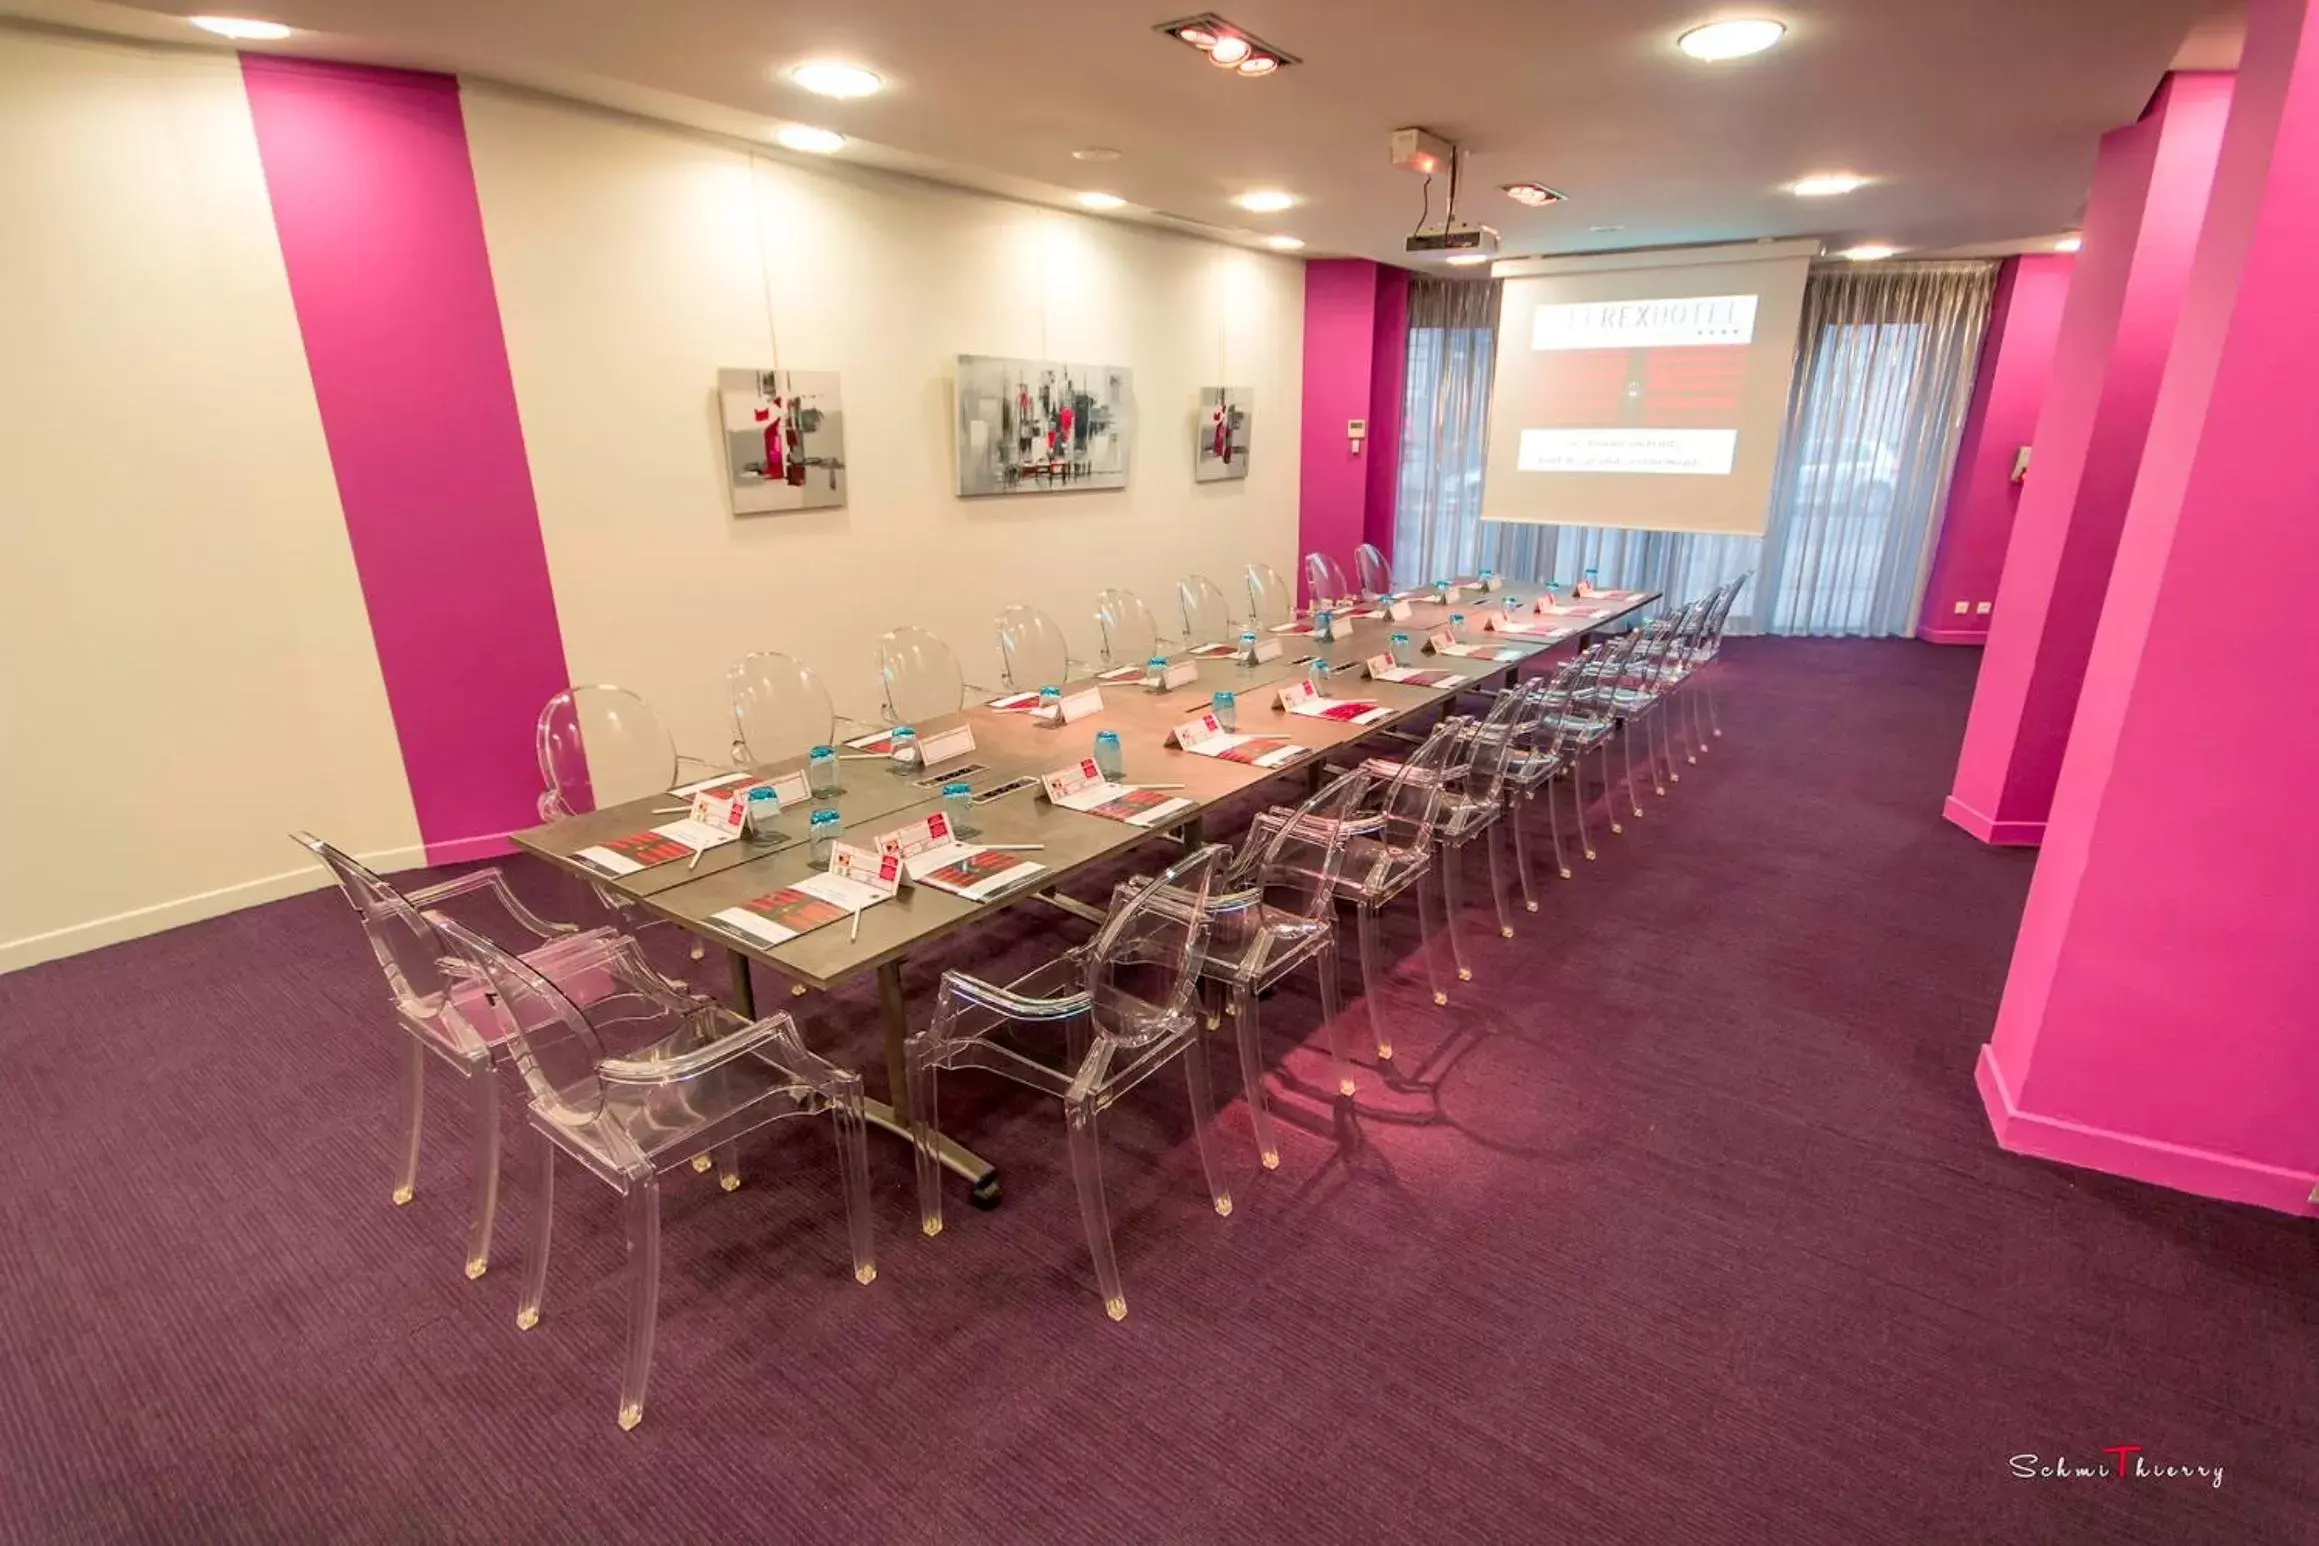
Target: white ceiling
(1977, 118)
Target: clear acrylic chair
(1270, 601)
(1471, 809)
(780, 708)
(1272, 911)
(920, 676)
(703, 1080)
(1544, 750)
(1207, 617)
(601, 745)
(1124, 1005)
(1376, 574)
(1589, 723)
(441, 1021)
(1324, 580)
(1032, 652)
(1131, 634)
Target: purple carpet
(1682, 1224)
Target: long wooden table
(1010, 745)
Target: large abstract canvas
(1220, 434)
(1042, 427)
(784, 439)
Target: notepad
(780, 916)
(1082, 787)
(664, 844)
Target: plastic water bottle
(958, 805)
(1248, 647)
(902, 749)
(1404, 653)
(822, 829)
(1318, 674)
(763, 810)
(1226, 708)
(1324, 623)
(1457, 626)
(1441, 591)
(1156, 669)
(821, 771)
(1593, 581)
(1109, 760)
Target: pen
(855, 932)
(696, 858)
(1014, 848)
(1155, 786)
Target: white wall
(629, 268)
(186, 669)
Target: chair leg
(484, 1087)
(1492, 841)
(1554, 827)
(1522, 847)
(1714, 719)
(1627, 744)
(1332, 1014)
(729, 1166)
(923, 1085)
(1665, 748)
(1372, 978)
(1251, 1040)
(1610, 789)
(1695, 746)
(414, 1118)
(643, 1294)
(535, 1252)
(1204, 1109)
(1429, 929)
(1087, 1173)
(1578, 805)
(1453, 899)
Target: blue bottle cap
(1050, 692)
(823, 819)
(903, 730)
(762, 792)
(1220, 697)
(822, 751)
(956, 791)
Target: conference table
(879, 796)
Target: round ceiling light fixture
(1734, 39)
(2069, 244)
(1093, 200)
(834, 78)
(814, 142)
(242, 29)
(1266, 201)
(1826, 185)
(1198, 37)
(1869, 252)
(1259, 64)
(1285, 243)
(1228, 51)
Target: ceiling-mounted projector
(1452, 236)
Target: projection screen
(1644, 388)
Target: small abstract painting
(1220, 434)
(1042, 427)
(784, 439)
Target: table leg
(744, 991)
(981, 1176)
(894, 1023)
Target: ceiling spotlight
(2069, 244)
(814, 142)
(1100, 201)
(1198, 37)
(1536, 195)
(1869, 252)
(1471, 259)
(1266, 202)
(1285, 243)
(1259, 64)
(829, 78)
(1826, 185)
(1095, 153)
(1227, 44)
(1228, 51)
(1720, 40)
(242, 29)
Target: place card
(723, 810)
(1399, 610)
(931, 855)
(1301, 698)
(1490, 583)
(954, 742)
(1181, 673)
(1082, 787)
(1266, 649)
(1073, 707)
(791, 788)
(1440, 640)
(881, 873)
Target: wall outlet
(1983, 609)
(1963, 607)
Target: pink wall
(375, 206)
(1388, 384)
(2158, 1020)
(1355, 354)
(2142, 220)
(2008, 391)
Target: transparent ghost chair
(602, 745)
(920, 676)
(1589, 723)
(1705, 650)
(1324, 580)
(1131, 634)
(780, 708)
(442, 1021)
(1389, 851)
(1376, 574)
(1124, 1005)
(1544, 750)
(1032, 652)
(1270, 601)
(702, 1080)
(1272, 911)
(1207, 617)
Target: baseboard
(1953, 635)
(140, 921)
(2178, 1166)
(2002, 834)
(489, 845)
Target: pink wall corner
(2117, 321)
(1340, 335)
(2008, 391)
(2156, 1020)
(375, 206)
(1388, 391)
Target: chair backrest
(1130, 632)
(1296, 868)
(1324, 579)
(780, 709)
(1207, 618)
(1480, 763)
(599, 746)
(1270, 600)
(1410, 801)
(1376, 574)
(410, 949)
(1547, 726)
(550, 1039)
(920, 675)
(1032, 652)
(1145, 961)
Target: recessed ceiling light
(2069, 244)
(1536, 195)
(1228, 51)
(833, 78)
(1284, 243)
(1735, 39)
(1869, 252)
(1100, 201)
(1826, 185)
(1095, 153)
(1198, 37)
(242, 29)
(816, 142)
(1266, 201)
(1470, 259)
(1602, 229)
(1259, 64)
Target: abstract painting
(784, 439)
(1220, 434)
(1042, 427)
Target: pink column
(2159, 1018)
(2149, 194)
(2008, 390)
(1388, 386)
(1355, 326)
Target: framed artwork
(784, 440)
(1220, 434)
(1042, 426)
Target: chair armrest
(491, 880)
(776, 1033)
(1015, 1006)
